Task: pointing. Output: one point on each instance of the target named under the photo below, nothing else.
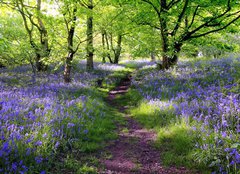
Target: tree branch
(212, 19)
(172, 3)
(154, 7)
(215, 30)
(148, 24)
(84, 4)
(180, 17)
(194, 15)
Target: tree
(14, 50)
(179, 21)
(32, 18)
(69, 11)
(89, 47)
(90, 36)
(114, 26)
(110, 47)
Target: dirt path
(132, 152)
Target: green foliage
(216, 45)
(137, 21)
(13, 49)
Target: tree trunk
(169, 60)
(169, 52)
(164, 36)
(103, 47)
(71, 52)
(1, 65)
(153, 56)
(117, 51)
(44, 50)
(108, 49)
(40, 66)
(174, 58)
(67, 69)
(90, 37)
(165, 62)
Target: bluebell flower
(38, 143)
(69, 125)
(57, 144)
(38, 159)
(14, 166)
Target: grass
(175, 139)
(177, 145)
(74, 163)
(131, 98)
(114, 79)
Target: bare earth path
(132, 152)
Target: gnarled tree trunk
(176, 49)
(41, 50)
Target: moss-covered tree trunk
(90, 48)
(44, 50)
(170, 49)
(71, 51)
(164, 35)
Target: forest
(120, 86)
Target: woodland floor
(133, 151)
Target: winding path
(132, 152)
